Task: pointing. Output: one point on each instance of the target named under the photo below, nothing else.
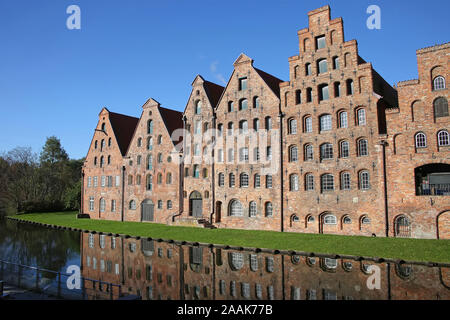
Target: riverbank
(420, 250)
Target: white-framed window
(327, 182)
(257, 181)
(237, 260)
(343, 119)
(242, 84)
(293, 154)
(309, 152)
(117, 181)
(269, 181)
(243, 154)
(268, 209)
(253, 262)
(361, 116)
(443, 138)
(253, 209)
(91, 240)
(345, 181)
(320, 42)
(103, 181)
(89, 184)
(113, 205)
(95, 181)
(421, 140)
(293, 182)
(113, 242)
(102, 241)
(364, 180)
(308, 125)
(325, 122)
(326, 151)
(330, 263)
(439, 83)
(102, 205)
(309, 182)
(243, 180)
(363, 148)
(91, 203)
(292, 126)
(132, 205)
(236, 209)
(330, 219)
(344, 151)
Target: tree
(53, 152)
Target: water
(161, 270)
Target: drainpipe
(281, 115)
(386, 207)
(123, 194)
(82, 193)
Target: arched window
(439, 83)
(139, 142)
(243, 180)
(150, 127)
(236, 260)
(103, 127)
(363, 147)
(443, 138)
(309, 182)
(421, 140)
(344, 149)
(327, 183)
(309, 152)
(243, 104)
(350, 89)
(252, 209)
(102, 205)
(198, 107)
(219, 130)
(159, 178)
(323, 92)
(326, 151)
(343, 119)
(230, 106)
(257, 181)
(205, 173)
(335, 63)
(298, 97)
(230, 128)
(149, 182)
(322, 65)
(95, 161)
(361, 117)
(292, 125)
(102, 145)
(329, 219)
(345, 181)
(159, 139)
(243, 126)
(364, 180)
(293, 182)
(268, 209)
(268, 122)
(293, 154)
(440, 107)
(236, 209)
(365, 220)
(308, 94)
(196, 171)
(102, 161)
(109, 159)
(169, 204)
(149, 143)
(109, 142)
(132, 205)
(346, 220)
(149, 162)
(308, 69)
(221, 179)
(232, 180)
(337, 89)
(256, 102)
(325, 122)
(307, 126)
(330, 263)
(169, 178)
(160, 158)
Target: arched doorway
(196, 204)
(218, 211)
(402, 227)
(147, 210)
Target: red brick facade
(332, 150)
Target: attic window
(320, 42)
(197, 92)
(242, 84)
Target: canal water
(161, 270)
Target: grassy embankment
(395, 248)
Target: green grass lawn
(395, 248)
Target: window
(232, 181)
(198, 107)
(361, 117)
(149, 182)
(344, 149)
(139, 160)
(196, 150)
(308, 69)
(219, 130)
(149, 162)
(326, 151)
(252, 209)
(325, 122)
(347, 220)
(308, 125)
(117, 181)
(95, 161)
(343, 119)
(230, 155)
(130, 180)
(309, 95)
(139, 142)
(268, 181)
(364, 181)
(96, 144)
(132, 205)
(365, 220)
(421, 140)
(160, 204)
(243, 126)
(102, 161)
(103, 181)
(320, 42)
(335, 63)
(292, 125)
(323, 92)
(330, 263)
(236, 209)
(230, 128)
(440, 107)
(268, 123)
(169, 178)
(363, 148)
(337, 89)
(256, 124)
(196, 171)
(293, 182)
(322, 65)
(256, 155)
(230, 106)
(150, 143)
(345, 181)
(243, 180)
(150, 127)
(243, 84)
(169, 204)
(95, 181)
(443, 138)
(269, 153)
(256, 103)
(439, 83)
(309, 182)
(330, 219)
(159, 139)
(221, 179)
(309, 152)
(350, 88)
(220, 155)
(293, 154)
(257, 181)
(197, 127)
(91, 203)
(268, 209)
(327, 183)
(298, 97)
(89, 182)
(243, 104)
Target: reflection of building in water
(160, 270)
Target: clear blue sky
(54, 81)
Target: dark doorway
(147, 210)
(196, 204)
(218, 211)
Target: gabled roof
(123, 127)
(172, 119)
(213, 91)
(272, 81)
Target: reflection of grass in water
(397, 248)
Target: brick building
(335, 149)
